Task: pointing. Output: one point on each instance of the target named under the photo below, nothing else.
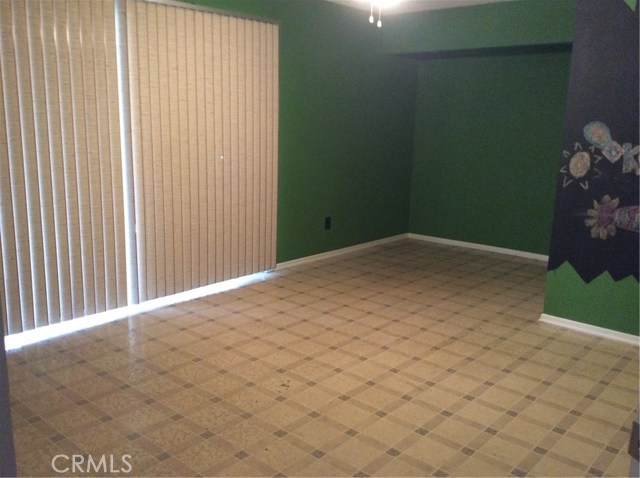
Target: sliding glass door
(138, 153)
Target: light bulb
(371, 19)
(386, 3)
(379, 23)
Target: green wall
(346, 127)
(602, 302)
(633, 4)
(503, 24)
(488, 135)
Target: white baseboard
(590, 329)
(481, 247)
(338, 252)
(410, 235)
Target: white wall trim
(339, 252)
(410, 235)
(481, 247)
(590, 329)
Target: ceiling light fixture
(379, 15)
(379, 4)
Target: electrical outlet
(327, 223)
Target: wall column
(7, 451)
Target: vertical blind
(201, 96)
(61, 217)
(204, 121)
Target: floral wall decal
(596, 218)
(602, 217)
(580, 166)
(606, 216)
(597, 134)
(630, 163)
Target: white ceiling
(405, 6)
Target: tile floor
(407, 359)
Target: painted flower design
(580, 164)
(630, 163)
(613, 151)
(601, 217)
(597, 133)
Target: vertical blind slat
(263, 145)
(175, 184)
(136, 144)
(10, 299)
(165, 144)
(219, 150)
(241, 144)
(48, 283)
(225, 106)
(96, 158)
(154, 157)
(272, 154)
(4, 172)
(104, 160)
(249, 158)
(275, 152)
(11, 310)
(17, 174)
(202, 133)
(210, 152)
(29, 221)
(147, 156)
(234, 159)
(192, 133)
(55, 136)
(257, 85)
(75, 45)
(92, 161)
(116, 166)
(69, 199)
(184, 139)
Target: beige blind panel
(204, 115)
(61, 212)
